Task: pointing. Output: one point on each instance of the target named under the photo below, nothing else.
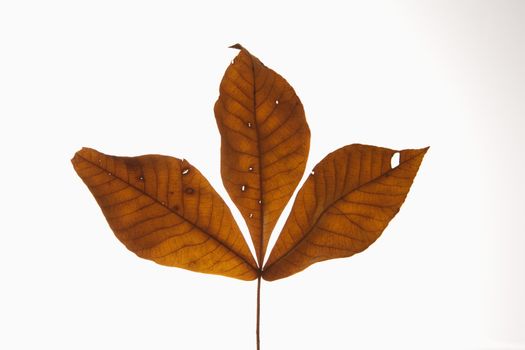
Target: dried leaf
(265, 143)
(343, 207)
(163, 209)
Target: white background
(130, 78)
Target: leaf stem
(258, 322)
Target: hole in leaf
(260, 201)
(313, 172)
(233, 61)
(110, 174)
(394, 161)
(251, 215)
(185, 171)
(249, 124)
(243, 188)
(250, 168)
(141, 178)
(276, 102)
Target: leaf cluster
(163, 209)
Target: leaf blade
(343, 207)
(264, 143)
(163, 209)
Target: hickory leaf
(163, 209)
(343, 207)
(264, 143)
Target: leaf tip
(237, 46)
(75, 159)
(424, 150)
(82, 154)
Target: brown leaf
(265, 143)
(163, 209)
(343, 207)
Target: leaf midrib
(260, 258)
